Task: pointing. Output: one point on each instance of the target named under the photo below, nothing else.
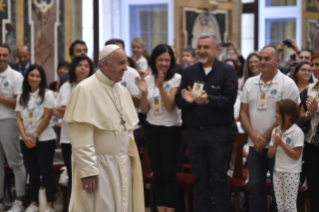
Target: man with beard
(207, 93)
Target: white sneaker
(16, 207)
(32, 208)
(1, 207)
(49, 209)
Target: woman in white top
(163, 124)
(286, 144)
(34, 111)
(309, 119)
(80, 69)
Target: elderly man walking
(207, 93)
(106, 171)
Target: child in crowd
(188, 56)
(138, 49)
(287, 141)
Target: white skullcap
(107, 50)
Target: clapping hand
(276, 139)
(312, 105)
(188, 95)
(141, 84)
(201, 99)
(160, 80)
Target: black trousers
(66, 154)
(312, 172)
(39, 162)
(208, 152)
(162, 144)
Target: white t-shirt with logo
(162, 118)
(37, 108)
(293, 137)
(142, 64)
(280, 87)
(10, 85)
(128, 81)
(62, 98)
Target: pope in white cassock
(106, 170)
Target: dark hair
(190, 50)
(76, 42)
(306, 50)
(290, 108)
(297, 68)
(131, 62)
(75, 62)
(63, 64)
(235, 66)
(157, 51)
(115, 41)
(26, 88)
(5, 45)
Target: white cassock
(102, 147)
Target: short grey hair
(209, 35)
(108, 58)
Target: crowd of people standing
(278, 109)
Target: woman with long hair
(34, 112)
(302, 75)
(163, 124)
(251, 68)
(80, 69)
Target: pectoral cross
(124, 123)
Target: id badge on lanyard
(262, 101)
(30, 117)
(157, 105)
(197, 88)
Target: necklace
(120, 110)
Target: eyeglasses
(304, 70)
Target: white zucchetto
(107, 50)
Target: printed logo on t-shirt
(38, 103)
(273, 92)
(288, 141)
(6, 84)
(167, 86)
(123, 83)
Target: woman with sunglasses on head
(302, 75)
(34, 111)
(80, 69)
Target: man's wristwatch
(35, 135)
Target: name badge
(157, 105)
(262, 101)
(30, 116)
(197, 88)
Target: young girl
(286, 142)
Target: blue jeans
(258, 165)
(208, 152)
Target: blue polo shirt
(221, 86)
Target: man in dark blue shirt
(208, 93)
